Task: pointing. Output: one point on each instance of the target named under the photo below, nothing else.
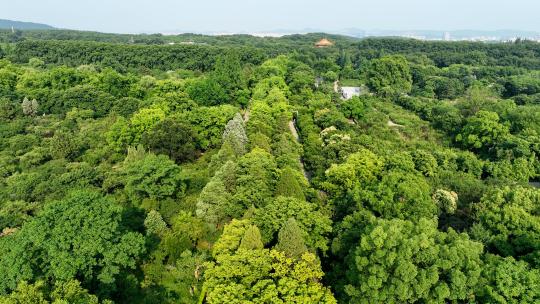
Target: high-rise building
(446, 36)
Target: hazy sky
(133, 16)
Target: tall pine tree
(290, 239)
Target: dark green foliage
(228, 75)
(389, 75)
(79, 237)
(125, 106)
(122, 56)
(288, 184)
(207, 92)
(65, 145)
(172, 138)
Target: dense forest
(200, 169)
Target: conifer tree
(251, 239)
(288, 185)
(154, 223)
(30, 107)
(235, 134)
(290, 239)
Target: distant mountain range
(19, 25)
(473, 35)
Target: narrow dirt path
(393, 124)
(246, 115)
(294, 132)
(292, 127)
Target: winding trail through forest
(294, 132)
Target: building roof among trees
(324, 42)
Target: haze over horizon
(142, 16)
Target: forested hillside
(10, 24)
(230, 170)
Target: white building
(349, 92)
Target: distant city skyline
(232, 16)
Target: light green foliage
(112, 82)
(519, 170)
(240, 275)
(396, 192)
(143, 121)
(425, 162)
(287, 150)
(390, 74)
(225, 154)
(314, 224)
(399, 261)
(446, 200)
(231, 238)
(261, 141)
(120, 136)
(72, 292)
(361, 167)
(251, 239)
(181, 281)
(26, 293)
(266, 88)
(508, 221)
(261, 119)
(209, 123)
(505, 280)
(378, 175)
(215, 203)
(154, 223)
(273, 67)
(153, 176)
(36, 62)
(63, 293)
(235, 135)
(291, 239)
(8, 109)
(78, 237)
(30, 107)
(258, 276)
(482, 131)
(256, 178)
(123, 133)
(353, 108)
(15, 213)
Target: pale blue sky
(133, 16)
